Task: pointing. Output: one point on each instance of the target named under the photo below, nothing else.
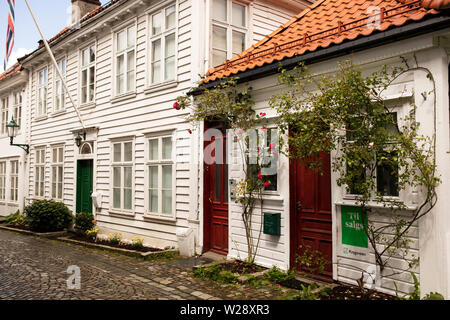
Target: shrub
(92, 233)
(137, 243)
(48, 216)
(84, 222)
(277, 275)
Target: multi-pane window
(88, 74)
(14, 181)
(4, 115)
(17, 108)
(125, 60)
(160, 175)
(57, 172)
(3, 180)
(163, 42)
(39, 173)
(60, 92)
(229, 30)
(122, 166)
(42, 92)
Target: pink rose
(176, 105)
(190, 131)
(260, 176)
(267, 184)
(240, 131)
(264, 129)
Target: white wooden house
(125, 63)
(13, 160)
(371, 34)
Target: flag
(10, 31)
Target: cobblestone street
(32, 268)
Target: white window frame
(42, 102)
(61, 96)
(39, 168)
(3, 174)
(159, 163)
(5, 115)
(88, 67)
(17, 108)
(230, 28)
(125, 52)
(57, 186)
(162, 38)
(14, 181)
(122, 164)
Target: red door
(215, 189)
(311, 224)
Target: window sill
(160, 219)
(41, 117)
(59, 112)
(87, 105)
(115, 212)
(161, 86)
(125, 96)
(371, 204)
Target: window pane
(54, 179)
(117, 152)
(128, 151)
(170, 45)
(387, 174)
(156, 72)
(238, 14)
(83, 86)
(170, 17)
(167, 202)
(219, 38)
(169, 72)
(127, 177)
(130, 70)
(55, 155)
(167, 177)
(116, 197)
(85, 57)
(153, 149)
(219, 10)
(156, 23)
(238, 42)
(153, 177)
(153, 198)
(121, 41)
(156, 50)
(92, 83)
(120, 74)
(218, 58)
(60, 154)
(92, 54)
(167, 148)
(131, 36)
(117, 177)
(127, 199)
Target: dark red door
(216, 189)
(311, 226)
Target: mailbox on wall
(272, 223)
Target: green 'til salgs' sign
(353, 233)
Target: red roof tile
(323, 24)
(12, 70)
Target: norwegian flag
(10, 31)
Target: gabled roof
(326, 23)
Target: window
(3, 180)
(229, 30)
(59, 87)
(163, 27)
(57, 172)
(125, 60)
(122, 167)
(39, 172)
(17, 108)
(160, 176)
(88, 74)
(386, 166)
(4, 116)
(268, 157)
(14, 178)
(42, 92)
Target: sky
(52, 16)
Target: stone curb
(132, 253)
(37, 234)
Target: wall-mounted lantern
(13, 129)
(79, 139)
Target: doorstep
(37, 234)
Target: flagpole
(55, 64)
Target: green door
(85, 171)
